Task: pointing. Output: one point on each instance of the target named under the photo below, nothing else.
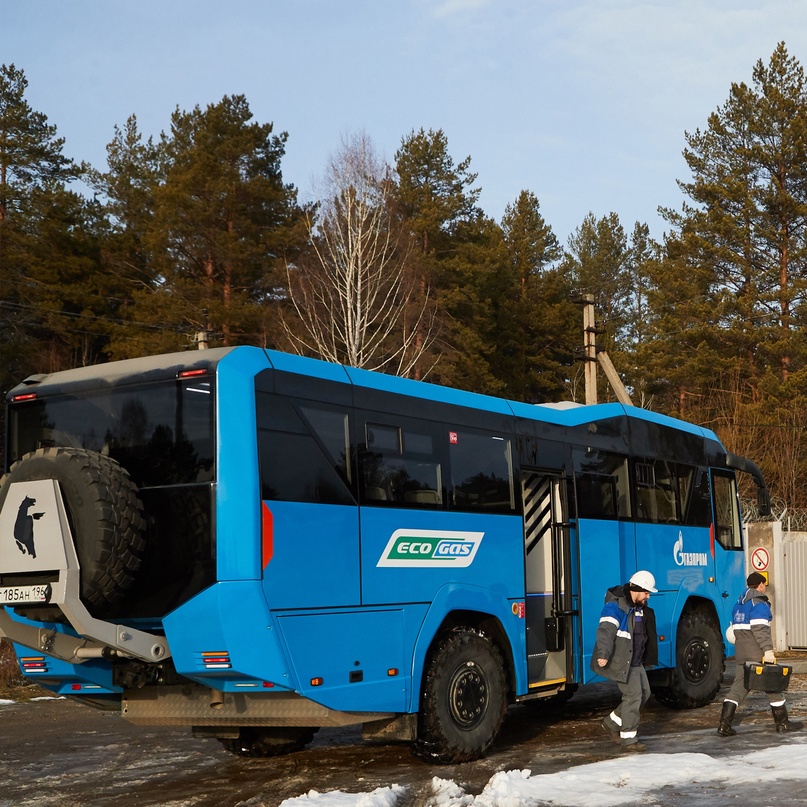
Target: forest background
(196, 235)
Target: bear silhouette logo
(24, 527)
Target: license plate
(12, 595)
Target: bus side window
(601, 478)
(697, 496)
(331, 426)
(728, 530)
(657, 494)
(481, 472)
(293, 465)
(400, 466)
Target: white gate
(794, 574)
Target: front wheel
(464, 698)
(700, 662)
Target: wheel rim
(696, 661)
(468, 695)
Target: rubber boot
(724, 728)
(781, 721)
(612, 729)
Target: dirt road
(57, 752)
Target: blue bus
(255, 545)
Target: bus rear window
(162, 433)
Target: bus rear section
(255, 545)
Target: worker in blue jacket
(751, 623)
(626, 643)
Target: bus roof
(563, 413)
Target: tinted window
(657, 497)
(161, 433)
(332, 428)
(727, 515)
(400, 465)
(696, 492)
(481, 472)
(303, 460)
(602, 484)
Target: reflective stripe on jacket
(615, 635)
(752, 614)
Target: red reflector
(75, 686)
(28, 396)
(267, 684)
(267, 535)
(316, 682)
(192, 373)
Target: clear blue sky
(583, 102)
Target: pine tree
(749, 189)
(537, 327)
(437, 204)
(48, 245)
(207, 223)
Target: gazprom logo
(687, 558)
(437, 548)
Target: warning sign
(760, 559)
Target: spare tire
(105, 516)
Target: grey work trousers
(747, 648)
(635, 692)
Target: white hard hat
(645, 581)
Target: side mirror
(763, 502)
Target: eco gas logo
(434, 548)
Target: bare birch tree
(354, 300)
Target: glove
(769, 657)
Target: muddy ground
(58, 752)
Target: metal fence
(794, 608)
(793, 520)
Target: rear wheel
(700, 662)
(464, 698)
(269, 742)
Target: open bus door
(548, 606)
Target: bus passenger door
(548, 610)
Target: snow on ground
(612, 782)
(380, 797)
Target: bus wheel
(105, 516)
(464, 698)
(269, 742)
(699, 663)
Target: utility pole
(202, 339)
(592, 356)
(590, 348)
